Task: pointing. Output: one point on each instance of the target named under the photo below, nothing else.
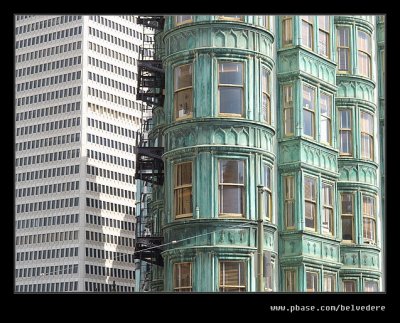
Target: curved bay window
(183, 277)
(326, 118)
(231, 187)
(327, 202)
(232, 276)
(266, 95)
(183, 190)
(307, 31)
(310, 202)
(346, 141)
(309, 111)
(364, 53)
(179, 20)
(369, 219)
(230, 78)
(367, 136)
(183, 91)
(323, 36)
(268, 193)
(343, 48)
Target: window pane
(323, 22)
(347, 204)
(183, 201)
(371, 286)
(184, 103)
(308, 97)
(329, 283)
(312, 282)
(323, 43)
(230, 100)
(347, 228)
(183, 277)
(349, 285)
(364, 43)
(343, 36)
(231, 73)
(367, 124)
(290, 280)
(287, 31)
(232, 276)
(183, 174)
(182, 19)
(310, 186)
(231, 171)
(345, 119)
(343, 59)
(183, 76)
(306, 34)
(231, 199)
(308, 123)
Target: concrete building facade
(77, 118)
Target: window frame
(235, 215)
(368, 54)
(288, 106)
(321, 30)
(289, 200)
(347, 215)
(268, 214)
(287, 31)
(310, 24)
(307, 109)
(347, 281)
(223, 85)
(346, 47)
(222, 285)
(369, 136)
(311, 201)
(291, 283)
(372, 218)
(177, 91)
(182, 188)
(325, 206)
(333, 281)
(178, 265)
(327, 117)
(315, 273)
(345, 130)
(266, 91)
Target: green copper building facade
(278, 116)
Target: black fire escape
(149, 163)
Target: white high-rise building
(77, 120)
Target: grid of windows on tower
(110, 158)
(109, 255)
(111, 128)
(46, 237)
(113, 39)
(50, 66)
(46, 271)
(110, 97)
(48, 111)
(47, 254)
(49, 51)
(112, 53)
(48, 221)
(112, 68)
(106, 173)
(105, 221)
(111, 83)
(111, 272)
(121, 116)
(48, 126)
(107, 142)
(69, 286)
(109, 238)
(101, 287)
(44, 23)
(47, 81)
(44, 38)
(47, 173)
(114, 207)
(53, 95)
(47, 205)
(49, 157)
(112, 190)
(116, 26)
(48, 142)
(47, 189)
